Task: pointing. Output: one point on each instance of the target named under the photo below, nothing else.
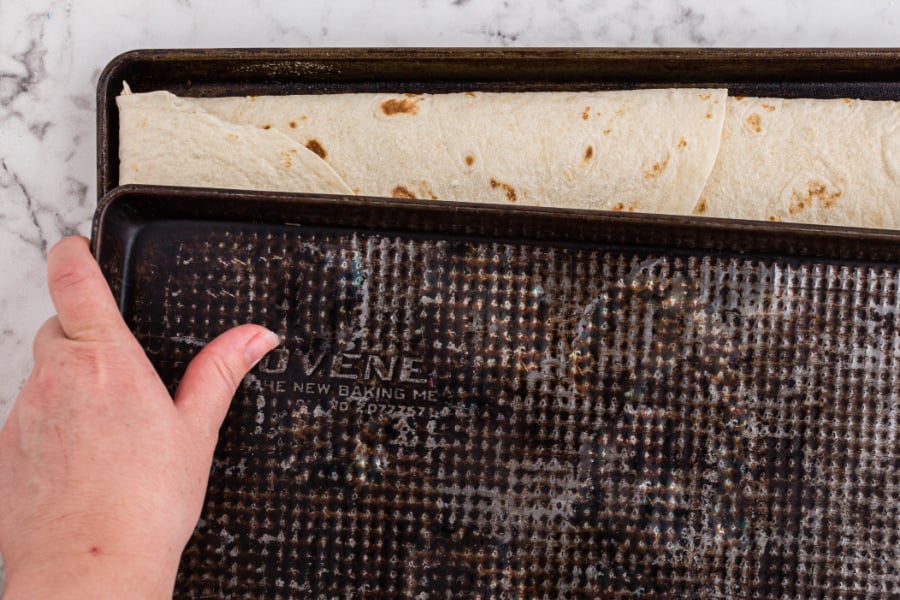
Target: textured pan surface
(470, 403)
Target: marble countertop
(52, 52)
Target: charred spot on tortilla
(471, 94)
(739, 98)
(396, 106)
(682, 143)
(586, 113)
(316, 147)
(293, 124)
(768, 107)
(621, 207)
(705, 97)
(425, 189)
(816, 191)
(233, 136)
(402, 192)
(658, 168)
(754, 121)
(288, 161)
(588, 153)
(607, 131)
(847, 101)
(470, 160)
(702, 206)
(267, 126)
(709, 115)
(508, 189)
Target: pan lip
(526, 223)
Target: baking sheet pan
(475, 402)
(872, 74)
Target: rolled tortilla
(165, 140)
(811, 161)
(645, 150)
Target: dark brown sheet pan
(816, 73)
(475, 402)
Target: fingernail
(260, 345)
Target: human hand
(103, 475)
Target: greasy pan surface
(472, 402)
(816, 73)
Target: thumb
(214, 375)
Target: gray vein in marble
(39, 129)
(32, 60)
(39, 241)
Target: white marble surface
(51, 53)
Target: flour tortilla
(647, 150)
(811, 161)
(165, 140)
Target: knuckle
(70, 369)
(44, 337)
(225, 369)
(67, 276)
(87, 363)
(37, 345)
(43, 380)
